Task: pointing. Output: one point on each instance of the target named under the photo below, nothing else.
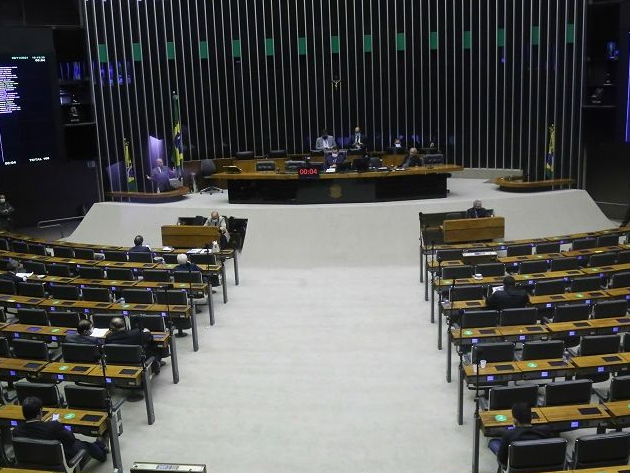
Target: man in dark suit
(510, 297)
(119, 334)
(477, 211)
(138, 246)
(13, 267)
(333, 159)
(184, 265)
(160, 176)
(357, 139)
(84, 334)
(35, 428)
(523, 430)
(413, 159)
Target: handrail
(57, 223)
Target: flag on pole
(550, 158)
(178, 146)
(131, 175)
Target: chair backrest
(85, 397)
(47, 392)
(140, 257)
(80, 353)
(454, 216)
(124, 354)
(37, 249)
(31, 289)
(7, 287)
(5, 348)
(244, 155)
(530, 267)
(457, 272)
(545, 248)
(19, 246)
(156, 275)
(609, 449)
(155, 323)
(63, 291)
(188, 277)
(96, 294)
(63, 319)
(571, 312)
(599, 344)
(115, 255)
(591, 283)
(208, 167)
(172, 297)
(138, 296)
(124, 274)
(606, 309)
(607, 240)
(602, 259)
(564, 264)
(32, 316)
(537, 455)
(34, 267)
(89, 272)
(577, 391)
(549, 287)
(623, 257)
(278, 153)
(490, 269)
(103, 320)
(39, 454)
(170, 258)
(519, 250)
(30, 349)
(4, 244)
(519, 316)
(620, 280)
(466, 293)
(55, 269)
(619, 388)
(203, 258)
(84, 253)
(543, 350)
(584, 244)
(493, 352)
(449, 254)
(479, 318)
(504, 397)
(63, 252)
(625, 342)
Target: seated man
(510, 297)
(325, 141)
(35, 428)
(413, 159)
(522, 430)
(13, 266)
(138, 246)
(357, 139)
(333, 159)
(160, 176)
(84, 334)
(119, 334)
(184, 265)
(477, 211)
(215, 220)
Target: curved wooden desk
(345, 187)
(150, 197)
(519, 185)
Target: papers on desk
(167, 248)
(329, 170)
(99, 332)
(23, 275)
(497, 288)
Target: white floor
(324, 359)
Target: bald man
(413, 159)
(160, 176)
(477, 211)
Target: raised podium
(189, 236)
(473, 229)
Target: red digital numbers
(308, 171)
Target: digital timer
(308, 172)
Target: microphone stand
(426, 286)
(477, 422)
(112, 425)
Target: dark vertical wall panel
(482, 80)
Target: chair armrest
(78, 457)
(116, 405)
(148, 361)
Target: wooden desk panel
(186, 236)
(473, 229)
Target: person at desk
(138, 246)
(523, 430)
(184, 265)
(477, 211)
(357, 139)
(325, 141)
(84, 334)
(215, 220)
(119, 334)
(160, 176)
(510, 297)
(333, 159)
(413, 159)
(6, 214)
(35, 428)
(13, 266)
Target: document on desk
(99, 332)
(23, 275)
(497, 288)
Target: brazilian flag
(551, 153)
(178, 145)
(132, 186)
